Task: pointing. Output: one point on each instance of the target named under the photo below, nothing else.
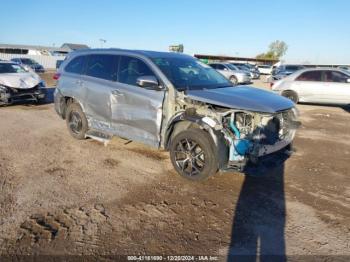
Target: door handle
(116, 92)
(79, 82)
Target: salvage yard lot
(63, 196)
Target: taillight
(56, 76)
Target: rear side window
(131, 68)
(335, 76)
(76, 66)
(102, 66)
(213, 66)
(310, 76)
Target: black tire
(193, 154)
(291, 95)
(234, 80)
(76, 121)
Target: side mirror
(148, 82)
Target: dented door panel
(137, 113)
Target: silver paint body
(144, 115)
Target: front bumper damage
(10, 95)
(267, 139)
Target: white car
(265, 69)
(232, 73)
(19, 84)
(316, 85)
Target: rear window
(102, 66)
(76, 66)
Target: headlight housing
(3, 88)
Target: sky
(316, 31)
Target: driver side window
(131, 68)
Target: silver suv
(174, 102)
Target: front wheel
(193, 154)
(234, 80)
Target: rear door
(337, 88)
(136, 112)
(99, 82)
(70, 83)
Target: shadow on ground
(259, 218)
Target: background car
(285, 70)
(231, 72)
(265, 69)
(346, 68)
(253, 71)
(27, 62)
(316, 85)
(19, 84)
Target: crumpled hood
(20, 80)
(244, 98)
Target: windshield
(232, 67)
(187, 73)
(11, 68)
(28, 61)
(242, 67)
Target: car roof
(319, 69)
(146, 53)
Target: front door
(136, 112)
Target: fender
(186, 119)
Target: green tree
(277, 49)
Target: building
(73, 47)
(236, 59)
(48, 56)
(32, 50)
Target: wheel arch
(183, 121)
(291, 91)
(65, 101)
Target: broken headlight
(3, 88)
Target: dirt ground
(63, 196)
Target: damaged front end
(243, 137)
(10, 95)
(251, 135)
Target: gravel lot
(63, 196)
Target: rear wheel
(193, 154)
(291, 95)
(234, 80)
(76, 121)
